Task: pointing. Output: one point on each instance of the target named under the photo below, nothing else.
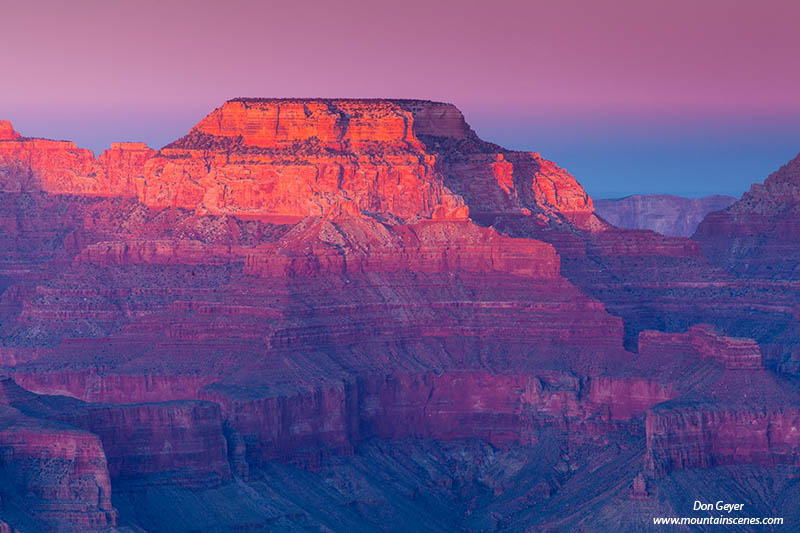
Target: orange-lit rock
(399, 160)
(30, 164)
(7, 132)
(123, 166)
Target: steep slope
(755, 240)
(757, 236)
(669, 215)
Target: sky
(631, 96)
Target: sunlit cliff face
(394, 159)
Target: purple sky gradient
(688, 97)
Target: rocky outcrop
(664, 213)
(7, 132)
(272, 123)
(82, 448)
(654, 282)
(122, 167)
(54, 473)
(60, 167)
(356, 246)
(399, 160)
(755, 242)
(756, 237)
(626, 397)
(52, 166)
(681, 437)
(707, 343)
(173, 443)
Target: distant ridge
(670, 215)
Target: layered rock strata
(293, 158)
(297, 280)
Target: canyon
(329, 313)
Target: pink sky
(608, 54)
(97, 70)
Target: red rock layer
(58, 473)
(61, 167)
(63, 455)
(270, 123)
(502, 409)
(627, 397)
(7, 132)
(122, 167)
(396, 159)
(155, 443)
(177, 442)
(703, 340)
(687, 437)
(356, 246)
(52, 166)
